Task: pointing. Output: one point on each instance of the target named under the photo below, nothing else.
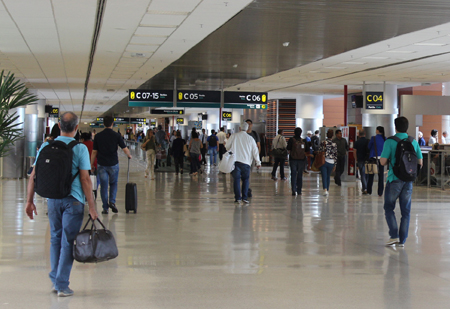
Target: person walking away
(149, 145)
(361, 150)
(397, 189)
(315, 144)
(195, 146)
(161, 140)
(105, 148)
(204, 138)
(212, 148)
(178, 153)
(421, 140)
(255, 136)
(377, 142)
(330, 148)
(342, 147)
(298, 151)
(221, 136)
(246, 152)
(308, 140)
(65, 215)
(279, 142)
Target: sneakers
(365, 192)
(105, 211)
(237, 201)
(246, 202)
(325, 193)
(54, 290)
(294, 193)
(392, 241)
(274, 178)
(65, 293)
(284, 178)
(113, 208)
(401, 245)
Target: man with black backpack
(298, 151)
(402, 153)
(61, 174)
(212, 148)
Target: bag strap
(376, 151)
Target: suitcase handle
(128, 172)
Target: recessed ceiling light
(430, 44)
(401, 51)
(353, 62)
(374, 57)
(286, 44)
(235, 65)
(137, 55)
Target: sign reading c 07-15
(374, 100)
(153, 98)
(198, 98)
(240, 99)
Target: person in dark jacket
(178, 153)
(421, 140)
(342, 148)
(378, 142)
(297, 165)
(361, 151)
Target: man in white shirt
(246, 151)
(445, 138)
(221, 136)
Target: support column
(385, 117)
(309, 112)
(445, 118)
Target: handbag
(279, 152)
(319, 161)
(94, 245)
(185, 150)
(228, 160)
(93, 177)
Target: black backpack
(212, 141)
(315, 141)
(297, 151)
(53, 171)
(405, 167)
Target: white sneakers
(392, 241)
(325, 193)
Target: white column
(445, 118)
(309, 112)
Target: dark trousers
(278, 161)
(340, 166)
(380, 181)
(179, 162)
(195, 163)
(297, 168)
(362, 173)
(222, 150)
(203, 151)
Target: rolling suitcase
(130, 193)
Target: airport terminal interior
(176, 65)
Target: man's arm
(384, 161)
(126, 151)
(93, 156)
(259, 147)
(30, 208)
(87, 190)
(255, 155)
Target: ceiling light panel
(148, 40)
(151, 31)
(153, 19)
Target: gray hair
(420, 134)
(244, 126)
(68, 122)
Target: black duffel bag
(94, 245)
(279, 153)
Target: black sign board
(374, 100)
(121, 120)
(180, 120)
(253, 100)
(99, 119)
(54, 112)
(153, 123)
(138, 120)
(167, 111)
(198, 98)
(226, 116)
(155, 98)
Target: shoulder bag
(279, 152)
(319, 160)
(228, 161)
(94, 245)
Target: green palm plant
(13, 94)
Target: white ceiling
(47, 44)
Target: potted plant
(13, 94)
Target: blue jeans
(362, 172)
(212, 155)
(326, 171)
(65, 217)
(402, 191)
(108, 175)
(297, 169)
(241, 172)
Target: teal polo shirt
(390, 146)
(80, 161)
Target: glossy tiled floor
(190, 247)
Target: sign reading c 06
(226, 116)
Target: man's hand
(30, 209)
(334, 169)
(129, 156)
(258, 166)
(93, 211)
